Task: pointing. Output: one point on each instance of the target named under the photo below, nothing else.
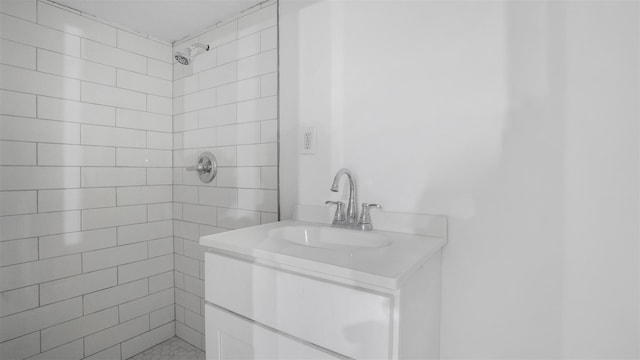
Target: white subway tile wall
(99, 222)
(86, 198)
(225, 102)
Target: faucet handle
(339, 215)
(365, 218)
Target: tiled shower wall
(86, 237)
(225, 102)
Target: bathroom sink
(376, 257)
(328, 238)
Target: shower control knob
(207, 167)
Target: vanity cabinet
(303, 289)
(258, 310)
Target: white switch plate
(308, 144)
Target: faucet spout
(352, 208)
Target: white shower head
(184, 58)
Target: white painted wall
(518, 120)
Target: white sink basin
(328, 238)
(379, 258)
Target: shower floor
(172, 349)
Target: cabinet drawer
(232, 337)
(345, 320)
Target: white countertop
(385, 267)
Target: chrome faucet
(352, 209)
(351, 219)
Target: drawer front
(348, 321)
(232, 337)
